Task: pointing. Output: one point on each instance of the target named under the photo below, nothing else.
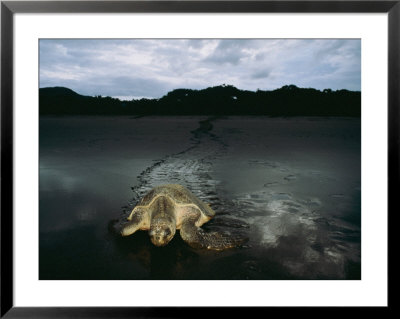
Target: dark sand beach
(291, 185)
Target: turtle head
(162, 230)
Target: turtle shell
(179, 195)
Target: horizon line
(118, 97)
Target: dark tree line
(288, 100)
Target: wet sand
(292, 185)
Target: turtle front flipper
(134, 222)
(198, 238)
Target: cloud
(228, 51)
(152, 67)
(261, 74)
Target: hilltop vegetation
(288, 100)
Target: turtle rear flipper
(198, 238)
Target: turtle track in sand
(193, 169)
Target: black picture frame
(9, 8)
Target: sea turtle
(166, 208)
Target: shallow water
(291, 185)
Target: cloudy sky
(150, 68)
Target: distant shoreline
(287, 101)
(223, 117)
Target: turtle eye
(167, 232)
